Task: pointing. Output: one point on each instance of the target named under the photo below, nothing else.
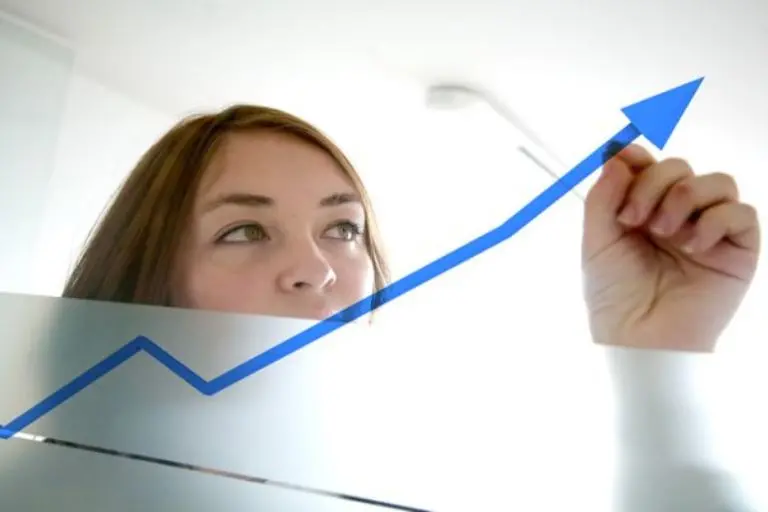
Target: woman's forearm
(665, 462)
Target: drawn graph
(655, 118)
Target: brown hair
(130, 256)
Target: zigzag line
(209, 388)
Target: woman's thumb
(602, 205)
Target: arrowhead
(656, 117)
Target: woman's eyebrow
(238, 199)
(258, 200)
(340, 198)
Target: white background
(109, 77)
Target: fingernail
(627, 215)
(692, 245)
(659, 226)
(611, 150)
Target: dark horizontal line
(227, 474)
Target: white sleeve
(665, 463)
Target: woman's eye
(244, 234)
(346, 231)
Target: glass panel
(35, 477)
(366, 411)
(480, 390)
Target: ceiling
(564, 67)
(359, 68)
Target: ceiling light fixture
(453, 96)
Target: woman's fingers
(667, 198)
(602, 204)
(636, 157)
(689, 196)
(737, 222)
(650, 187)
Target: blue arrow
(655, 118)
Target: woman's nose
(306, 270)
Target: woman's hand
(668, 255)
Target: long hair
(131, 254)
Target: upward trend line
(655, 118)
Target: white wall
(66, 143)
(103, 135)
(34, 75)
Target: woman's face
(277, 229)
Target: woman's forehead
(275, 165)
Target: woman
(253, 210)
(250, 210)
